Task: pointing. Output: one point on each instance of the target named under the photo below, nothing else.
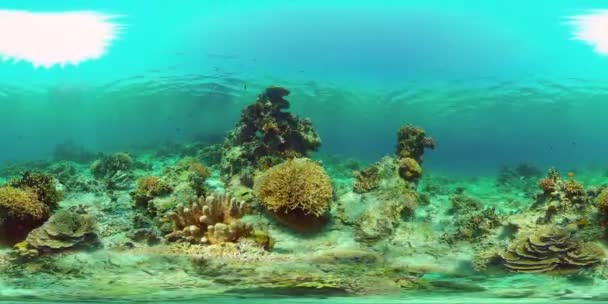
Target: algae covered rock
(65, 230)
(298, 192)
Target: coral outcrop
(214, 219)
(42, 185)
(550, 249)
(471, 221)
(366, 180)
(114, 170)
(20, 212)
(25, 203)
(266, 130)
(148, 188)
(298, 192)
(411, 143)
(66, 230)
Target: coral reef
(550, 249)
(214, 219)
(366, 180)
(298, 189)
(42, 185)
(148, 188)
(265, 130)
(20, 212)
(558, 194)
(411, 142)
(521, 177)
(65, 230)
(471, 220)
(114, 170)
(70, 151)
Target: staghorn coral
(65, 230)
(20, 212)
(550, 249)
(149, 187)
(265, 130)
(214, 219)
(296, 189)
(366, 180)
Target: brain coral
(298, 184)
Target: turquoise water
(495, 83)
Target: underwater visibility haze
(303, 151)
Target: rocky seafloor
(260, 217)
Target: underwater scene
(335, 151)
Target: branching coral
(297, 192)
(366, 179)
(550, 249)
(149, 187)
(265, 130)
(190, 172)
(213, 219)
(568, 193)
(300, 184)
(65, 230)
(20, 212)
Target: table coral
(65, 230)
(213, 219)
(550, 249)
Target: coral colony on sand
(256, 211)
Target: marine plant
(298, 192)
